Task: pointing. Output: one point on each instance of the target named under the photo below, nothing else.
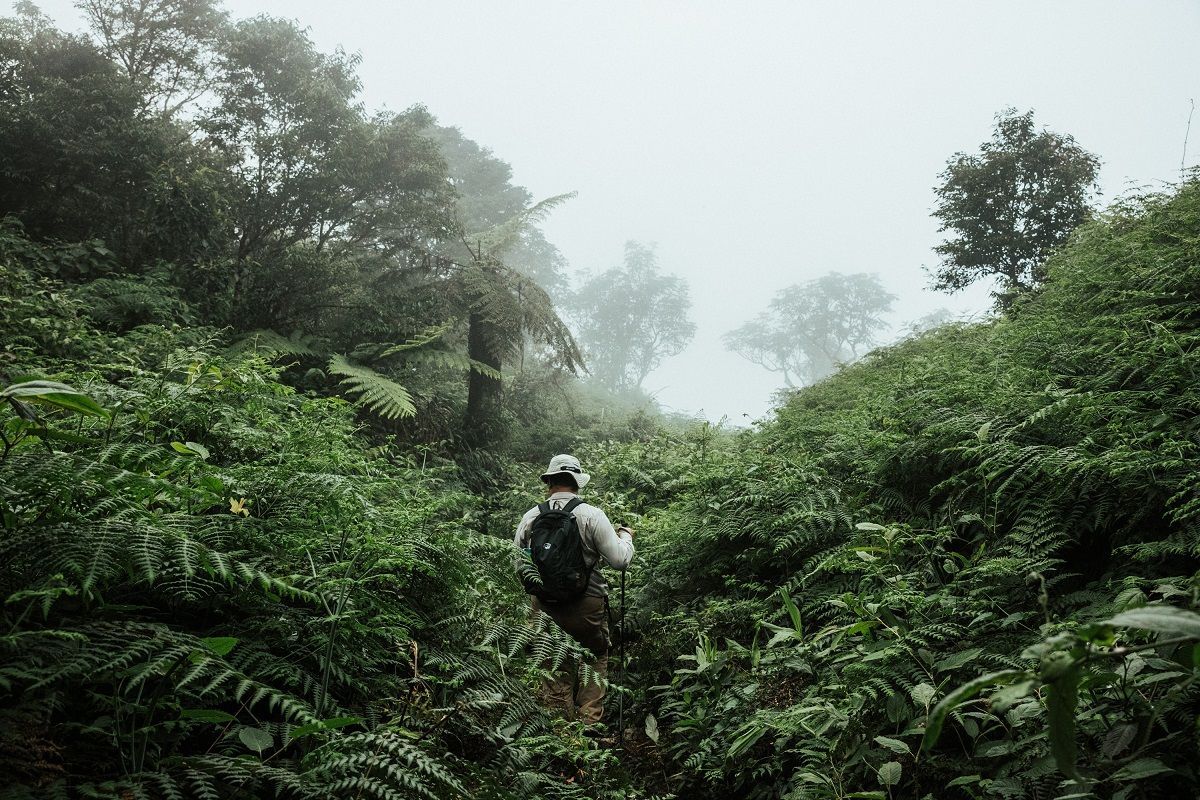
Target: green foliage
(81, 161)
(385, 397)
(212, 581)
(1010, 206)
(966, 566)
(202, 170)
(165, 47)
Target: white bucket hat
(566, 465)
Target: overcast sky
(761, 144)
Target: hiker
(571, 537)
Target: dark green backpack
(559, 572)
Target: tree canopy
(1010, 205)
(810, 329)
(631, 318)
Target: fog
(761, 145)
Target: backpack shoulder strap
(543, 507)
(574, 503)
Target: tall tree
(810, 329)
(494, 274)
(165, 48)
(504, 306)
(307, 166)
(1009, 205)
(283, 111)
(80, 160)
(631, 318)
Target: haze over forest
(295, 301)
(761, 145)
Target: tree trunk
(483, 427)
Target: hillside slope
(976, 502)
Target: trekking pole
(621, 658)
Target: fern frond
(377, 393)
(499, 238)
(273, 344)
(450, 360)
(432, 334)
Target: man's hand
(625, 529)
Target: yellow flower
(239, 507)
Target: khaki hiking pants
(586, 621)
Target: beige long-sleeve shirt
(600, 539)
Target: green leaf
(221, 645)
(485, 370)
(60, 436)
(957, 660)
(1142, 768)
(652, 728)
(890, 773)
(256, 739)
(897, 707)
(793, 612)
(212, 484)
(340, 722)
(190, 449)
(1117, 739)
(1061, 698)
(923, 693)
(56, 394)
(895, 745)
(937, 717)
(496, 239)
(300, 731)
(746, 737)
(1160, 619)
(271, 343)
(431, 335)
(322, 725)
(1007, 697)
(36, 387)
(207, 715)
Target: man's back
(600, 539)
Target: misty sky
(761, 144)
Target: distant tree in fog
(927, 322)
(811, 328)
(1010, 205)
(631, 318)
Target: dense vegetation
(987, 532)
(202, 564)
(277, 376)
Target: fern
(273, 344)
(381, 395)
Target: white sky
(761, 144)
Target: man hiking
(562, 541)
